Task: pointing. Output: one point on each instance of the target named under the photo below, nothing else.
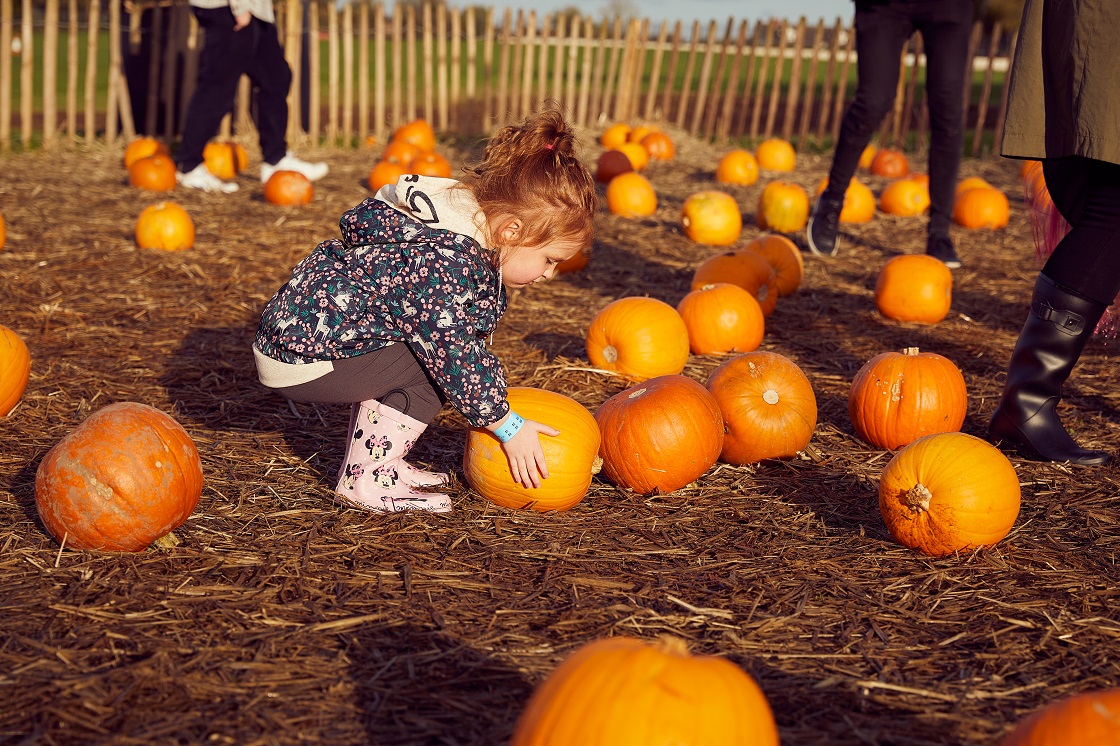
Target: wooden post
(598, 63)
(810, 86)
(363, 72)
(517, 59)
(501, 104)
(540, 93)
(398, 66)
(639, 66)
(986, 90)
(793, 94)
(410, 61)
(740, 127)
(472, 57)
(911, 87)
(760, 84)
(842, 85)
(997, 141)
(966, 94)
(712, 112)
(671, 76)
(655, 72)
(293, 53)
(559, 60)
(585, 50)
(347, 37)
(488, 71)
(689, 68)
(6, 29)
(829, 80)
(776, 81)
(114, 70)
(50, 72)
(314, 65)
(170, 56)
(625, 81)
(888, 133)
(456, 66)
(333, 122)
(610, 83)
(71, 70)
(731, 92)
(429, 71)
(528, 43)
(705, 76)
(444, 116)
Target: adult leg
(272, 77)
(881, 30)
(1079, 281)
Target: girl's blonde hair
(530, 171)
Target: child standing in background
(395, 315)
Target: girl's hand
(526, 457)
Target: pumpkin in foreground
(914, 287)
(660, 434)
(768, 406)
(572, 457)
(15, 369)
(1089, 719)
(638, 338)
(897, 397)
(949, 492)
(127, 475)
(623, 691)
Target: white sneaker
(200, 177)
(313, 171)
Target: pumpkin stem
(610, 354)
(770, 396)
(597, 465)
(910, 351)
(918, 497)
(671, 645)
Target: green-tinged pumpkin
(571, 457)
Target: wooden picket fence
(468, 71)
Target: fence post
(444, 116)
(655, 71)
(997, 140)
(810, 86)
(842, 85)
(776, 80)
(71, 71)
(50, 72)
(6, 24)
(706, 75)
(379, 56)
(684, 99)
(756, 112)
(986, 90)
(793, 92)
(716, 107)
(671, 77)
(363, 71)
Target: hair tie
(550, 146)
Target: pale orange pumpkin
(659, 435)
(859, 202)
(142, 147)
(126, 476)
(611, 164)
(417, 133)
(166, 226)
(638, 338)
(571, 457)
(784, 256)
(385, 172)
(712, 217)
(775, 154)
(890, 163)
(630, 195)
(615, 135)
(722, 318)
(623, 691)
(15, 369)
(768, 405)
(635, 153)
(737, 167)
(154, 172)
(1087, 719)
(745, 268)
(637, 134)
(659, 146)
(904, 197)
(949, 492)
(914, 287)
(898, 397)
(783, 207)
(225, 159)
(288, 188)
(982, 207)
(431, 164)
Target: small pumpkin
(142, 147)
(768, 405)
(898, 397)
(574, 263)
(890, 163)
(982, 207)
(154, 172)
(737, 167)
(571, 457)
(639, 338)
(971, 182)
(634, 153)
(166, 226)
(948, 492)
(722, 318)
(288, 188)
(402, 152)
(15, 369)
(225, 159)
(614, 135)
(904, 197)
(914, 287)
(126, 476)
(867, 156)
(1088, 719)
(659, 146)
(859, 202)
(417, 133)
(385, 172)
(775, 154)
(659, 435)
(783, 207)
(630, 195)
(431, 164)
(637, 134)
(784, 256)
(611, 164)
(745, 268)
(712, 217)
(624, 691)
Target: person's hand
(526, 457)
(241, 20)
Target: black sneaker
(940, 247)
(824, 225)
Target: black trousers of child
(392, 375)
(882, 28)
(1087, 194)
(227, 55)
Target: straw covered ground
(283, 617)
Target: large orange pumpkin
(745, 268)
(722, 318)
(775, 154)
(627, 692)
(417, 133)
(768, 405)
(890, 163)
(659, 435)
(155, 172)
(982, 207)
(126, 476)
(431, 164)
(571, 457)
(784, 256)
(904, 197)
(1087, 719)
(659, 146)
(611, 164)
(898, 397)
(385, 172)
(288, 188)
(142, 147)
(947, 492)
(859, 202)
(225, 159)
(639, 338)
(15, 369)
(783, 207)
(914, 287)
(737, 167)
(630, 195)
(164, 225)
(712, 217)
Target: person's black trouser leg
(272, 77)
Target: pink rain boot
(413, 429)
(371, 474)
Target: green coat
(1065, 82)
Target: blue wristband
(509, 429)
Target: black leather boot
(1059, 325)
